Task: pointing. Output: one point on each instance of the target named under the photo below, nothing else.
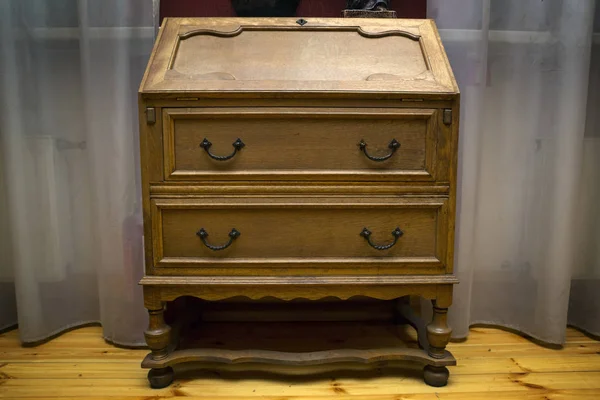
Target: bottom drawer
(302, 236)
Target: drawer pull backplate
(393, 146)
(396, 233)
(237, 146)
(234, 234)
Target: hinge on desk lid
(447, 116)
(150, 115)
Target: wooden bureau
(299, 159)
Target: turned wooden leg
(438, 331)
(158, 339)
(438, 335)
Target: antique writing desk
(298, 159)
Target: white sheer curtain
(528, 248)
(529, 209)
(71, 223)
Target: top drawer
(398, 144)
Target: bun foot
(160, 377)
(436, 376)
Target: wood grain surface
(301, 140)
(235, 55)
(314, 103)
(325, 229)
(300, 235)
(303, 343)
(306, 143)
(492, 364)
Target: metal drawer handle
(234, 234)
(237, 146)
(393, 146)
(396, 233)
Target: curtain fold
(70, 72)
(526, 220)
(528, 236)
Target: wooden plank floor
(492, 364)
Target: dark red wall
(307, 8)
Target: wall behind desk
(307, 8)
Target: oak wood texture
(286, 344)
(304, 143)
(315, 236)
(233, 55)
(312, 358)
(315, 107)
(492, 364)
(159, 289)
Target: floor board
(492, 364)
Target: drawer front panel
(280, 236)
(302, 143)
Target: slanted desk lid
(274, 55)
